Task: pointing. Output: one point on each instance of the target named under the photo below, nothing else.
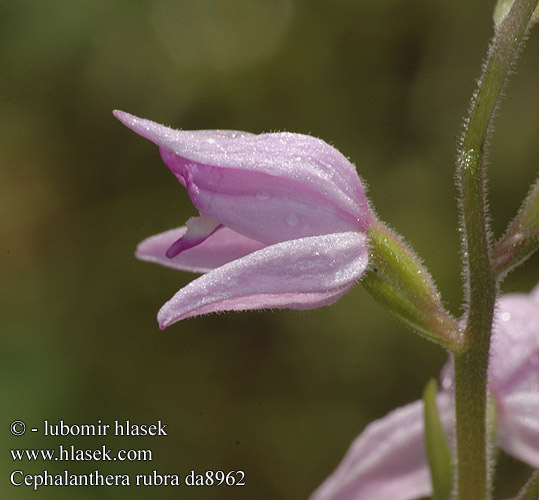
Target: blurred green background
(278, 394)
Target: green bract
(502, 9)
(399, 281)
(521, 239)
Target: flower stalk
(481, 283)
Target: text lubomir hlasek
(119, 428)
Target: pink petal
(264, 207)
(388, 458)
(220, 248)
(514, 365)
(298, 274)
(300, 159)
(518, 426)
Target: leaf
(438, 454)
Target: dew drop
(292, 219)
(447, 383)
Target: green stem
(471, 363)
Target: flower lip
(199, 229)
(220, 248)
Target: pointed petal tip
(136, 124)
(161, 135)
(122, 116)
(141, 252)
(165, 321)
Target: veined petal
(264, 207)
(300, 158)
(299, 274)
(220, 248)
(388, 458)
(518, 426)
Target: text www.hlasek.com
(71, 453)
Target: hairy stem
(481, 284)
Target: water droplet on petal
(292, 219)
(447, 383)
(506, 316)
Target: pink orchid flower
(282, 224)
(388, 458)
